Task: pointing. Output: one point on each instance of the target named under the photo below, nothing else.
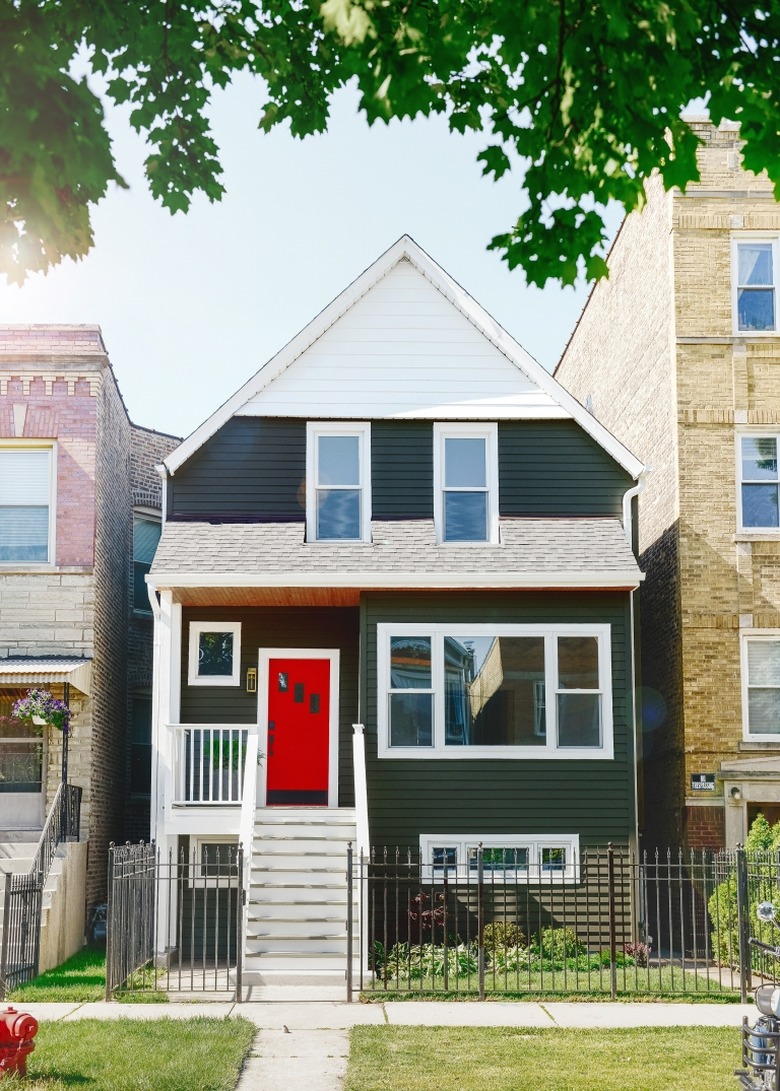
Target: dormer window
(466, 483)
(338, 494)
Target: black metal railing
(611, 923)
(175, 924)
(23, 894)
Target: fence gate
(23, 902)
(175, 924)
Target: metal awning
(18, 671)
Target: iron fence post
(6, 933)
(612, 922)
(240, 902)
(109, 928)
(481, 919)
(349, 922)
(743, 917)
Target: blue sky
(192, 305)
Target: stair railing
(362, 848)
(245, 837)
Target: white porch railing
(208, 764)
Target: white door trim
(265, 655)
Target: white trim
(362, 432)
(406, 248)
(50, 446)
(198, 627)
(755, 236)
(333, 656)
(439, 750)
(623, 581)
(746, 637)
(206, 882)
(487, 432)
(534, 842)
(746, 433)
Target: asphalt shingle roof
(535, 547)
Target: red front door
(297, 758)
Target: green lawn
(81, 979)
(527, 1059)
(129, 1055)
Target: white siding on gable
(403, 350)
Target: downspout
(628, 519)
(629, 529)
(154, 601)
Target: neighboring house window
(338, 493)
(26, 504)
(759, 482)
(215, 653)
(755, 265)
(465, 481)
(482, 691)
(147, 529)
(761, 686)
(141, 743)
(505, 859)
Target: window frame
(740, 436)
(198, 627)
(535, 843)
(50, 447)
(148, 515)
(489, 432)
(437, 631)
(201, 881)
(754, 237)
(362, 431)
(768, 636)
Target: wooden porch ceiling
(267, 596)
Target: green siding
(294, 627)
(402, 469)
(251, 468)
(556, 468)
(594, 798)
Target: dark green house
(394, 606)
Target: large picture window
(494, 691)
(465, 479)
(759, 482)
(761, 686)
(338, 494)
(26, 505)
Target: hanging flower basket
(40, 708)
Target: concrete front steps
(296, 920)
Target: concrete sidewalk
(305, 1046)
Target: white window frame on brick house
(317, 486)
(751, 683)
(746, 478)
(772, 242)
(31, 491)
(194, 677)
(444, 486)
(434, 685)
(453, 855)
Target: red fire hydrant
(17, 1030)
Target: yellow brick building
(678, 354)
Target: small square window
(213, 863)
(215, 654)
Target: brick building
(677, 354)
(72, 466)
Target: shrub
(558, 944)
(502, 935)
(639, 953)
(415, 961)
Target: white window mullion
(439, 695)
(551, 683)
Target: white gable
(403, 340)
(403, 350)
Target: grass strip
(530, 1059)
(129, 1055)
(82, 979)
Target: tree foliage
(581, 98)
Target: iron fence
(23, 895)
(175, 924)
(609, 922)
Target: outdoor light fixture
(736, 793)
(251, 679)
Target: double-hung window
(465, 482)
(759, 482)
(26, 504)
(761, 686)
(493, 691)
(754, 273)
(338, 493)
